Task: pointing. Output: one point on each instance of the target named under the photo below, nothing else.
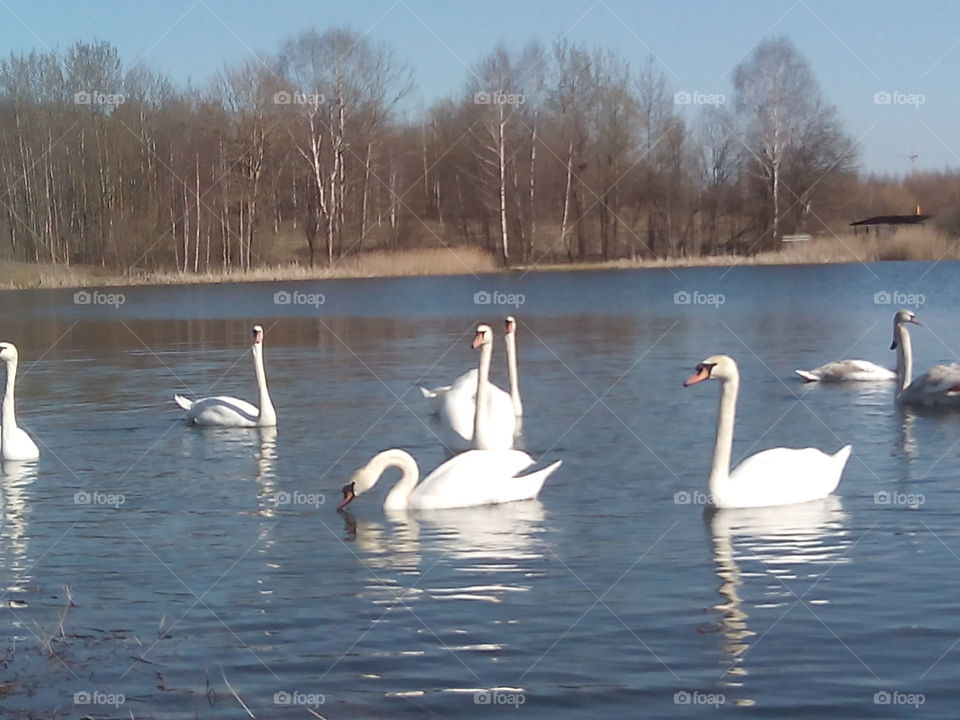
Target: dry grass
(380, 263)
(911, 243)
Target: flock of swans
(481, 421)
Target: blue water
(613, 595)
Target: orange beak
(477, 340)
(703, 374)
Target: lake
(160, 570)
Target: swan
(476, 477)
(778, 476)
(939, 386)
(435, 395)
(15, 444)
(510, 342)
(464, 426)
(224, 411)
(847, 371)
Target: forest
(550, 153)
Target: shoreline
(416, 263)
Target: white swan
(435, 395)
(464, 426)
(939, 386)
(476, 477)
(224, 411)
(848, 371)
(15, 444)
(510, 342)
(778, 476)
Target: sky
(890, 67)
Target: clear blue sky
(856, 48)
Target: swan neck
(904, 357)
(399, 496)
(723, 447)
(7, 412)
(511, 345)
(268, 416)
(481, 413)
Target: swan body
(476, 477)
(434, 396)
(848, 371)
(15, 444)
(779, 476)
(225, 411)
(478, 417)
(938, 387)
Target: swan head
(257, 334)
(483, 336)
(511, 323)
(715, 367)
(8, 352)
(362, 480)
(902, 317)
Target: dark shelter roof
(892, 220)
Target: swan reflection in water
(14, 519)
(782, 545)
(489, 539)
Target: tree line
(550, 152)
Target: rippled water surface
(145, 559)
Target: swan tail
(843, 454)
(427, 393)
(807, 376)
(536, 480)
(183, 402)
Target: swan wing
(939, 385)
(782, 476)
(223, 411)
(480, 477)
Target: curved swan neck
(723, 447)
(481, 412)
(511, 344)
(268, 416)
(399, 495)
(904, 356)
